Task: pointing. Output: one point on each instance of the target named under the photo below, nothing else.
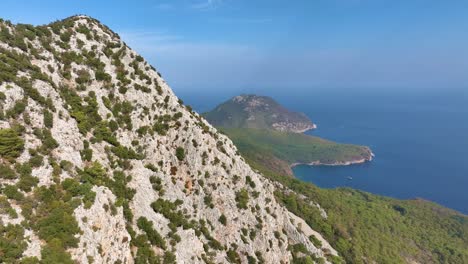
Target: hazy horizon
(335, 45)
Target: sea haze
(420, 141)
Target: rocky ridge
(102, 163)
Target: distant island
(271, 136)
(258, 112)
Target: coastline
(311, 127)
(337, 163)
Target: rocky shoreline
(337, 163)
(311, 127)
(298, 128)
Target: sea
(419, 138)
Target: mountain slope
(369, 228)
(100, 162)
(259, 112)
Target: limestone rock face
(114, 156)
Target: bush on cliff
(11, 145)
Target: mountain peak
(101, 162)
(261, 112)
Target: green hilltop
(259, 112)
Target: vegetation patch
(180, 153)
(242, 199)
(361, 225)
(12, 243)
(153, 236)
(11, 144)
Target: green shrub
(102, 132)
(139, 58)
(66, 165)
(83, 77)
(251, 260)
(36, 159)
(94, 174)
(12, 243)
(17, 109)
(53, 220)
(161, 128)
(11, 145)
(242, 199)
(87, 154)
(65, 36)
(101, 75)
(27, 182)
(76, 188)
(48, 119)
(151, 167)
(233, 256)
(59, 223)
(107, 102)
(156, 182)
(11, 191)
(153, 236)
(85, 113)
(222, 219)
(177, 116)
(180, 153)
(126, 153)
(7, 173)
(48, 142)
(169, 258)
(145, 253)
(208, 200)
(122, 111)
(54, 253)
(143, 130)
(317, 243)
(169, 210)
(114, 126)
(24, 169)
(249, 181)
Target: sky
(237, 45)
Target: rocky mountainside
(260, 112)
(101, 163)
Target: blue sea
(420, 140)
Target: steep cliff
(102, 163)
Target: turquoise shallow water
(420, 141)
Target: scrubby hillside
(369, 228)
(259, 112)
(101, 163)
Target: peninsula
(272, 136)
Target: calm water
(420, 142)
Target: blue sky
(303, 44)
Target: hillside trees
(11, 144)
